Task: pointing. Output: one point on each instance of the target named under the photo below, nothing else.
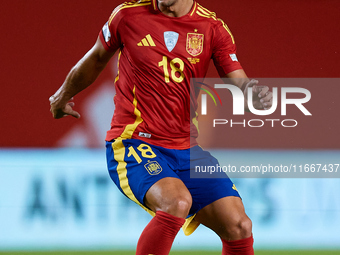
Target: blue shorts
(135, 166)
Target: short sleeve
(109, 34)
(224, 50)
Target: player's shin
(159, 234)
(238, 247)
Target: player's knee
(184, 204)
(241, 229)
(179, 206)
(245, 227)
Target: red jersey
(158, 55)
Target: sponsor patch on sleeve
(233, 57)
(106, 32)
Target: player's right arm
(82, 75)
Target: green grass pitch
(298, 252)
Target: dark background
(42, 40)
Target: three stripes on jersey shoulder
(128, 5)
(203, 12)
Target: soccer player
(162, 44)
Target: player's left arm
(228, 66)
(262, 97)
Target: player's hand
(60, 109)
(262, 97)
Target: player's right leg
(171, 201)
(145, 176)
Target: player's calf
(159, 234)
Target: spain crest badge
(195, 44)
(153, 167)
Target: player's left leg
(227, 218)
(217, 204)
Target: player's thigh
(227, 218)
(205, 191)
(135, 166)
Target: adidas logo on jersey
(147, 41)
